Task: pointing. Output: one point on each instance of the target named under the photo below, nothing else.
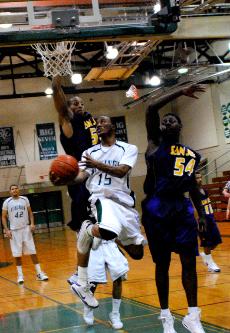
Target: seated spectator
(226, 190)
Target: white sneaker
(73, 279)
(85, 294)
(115, 320)
(20, 279)
(208, 261)
(42, 276)
(192, 322)
(212, 267)
(203, 257)
(168, 323)
(88, 315)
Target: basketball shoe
(115, 320)
(168, 323)
(192, 322)
(88, 315)
(208, 261)
(85, 294)
(73, 279)
(42, 276)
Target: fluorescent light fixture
(6, 25)
(155, 81)
(157, 7)
(76, 78)
(111, 52)
(183, 70)
(138, 43)
(49, 91)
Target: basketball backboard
(49, 20)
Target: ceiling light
(111, 52)
(157, 8)
(183, 70)
(138, 43)
(6, 25)
(155, 81)
(49, 91)
(76, 78)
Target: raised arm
(60, 101)
(152, 116)
(61, 106)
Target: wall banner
(225, 112)
(46, 141)
(120, 128)
(7, 148)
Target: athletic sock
(208, 258)
(19, 269)
(165, 313)
(82, 275)
(38, 268)
(192, 309)
(116, 305)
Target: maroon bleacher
(219, 202)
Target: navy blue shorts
(170, 226)
(212, 234)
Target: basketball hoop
(56, 57)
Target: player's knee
(107, 234)
(84, 240)
(83, 246)
(136, 252)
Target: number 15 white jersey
(100, 183)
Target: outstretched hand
(56, 180)
(190, 91)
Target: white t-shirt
(101, 183)
(17, 210)
(227, 186)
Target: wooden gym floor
(42, 307)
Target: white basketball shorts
(107, 257)
(22, 242)
(118, 218)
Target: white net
(56, 57)
(132, 92)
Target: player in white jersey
(107, 258)
(107, 167)
(18, 223)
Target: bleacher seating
(219, 202)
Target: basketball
(63, 169)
